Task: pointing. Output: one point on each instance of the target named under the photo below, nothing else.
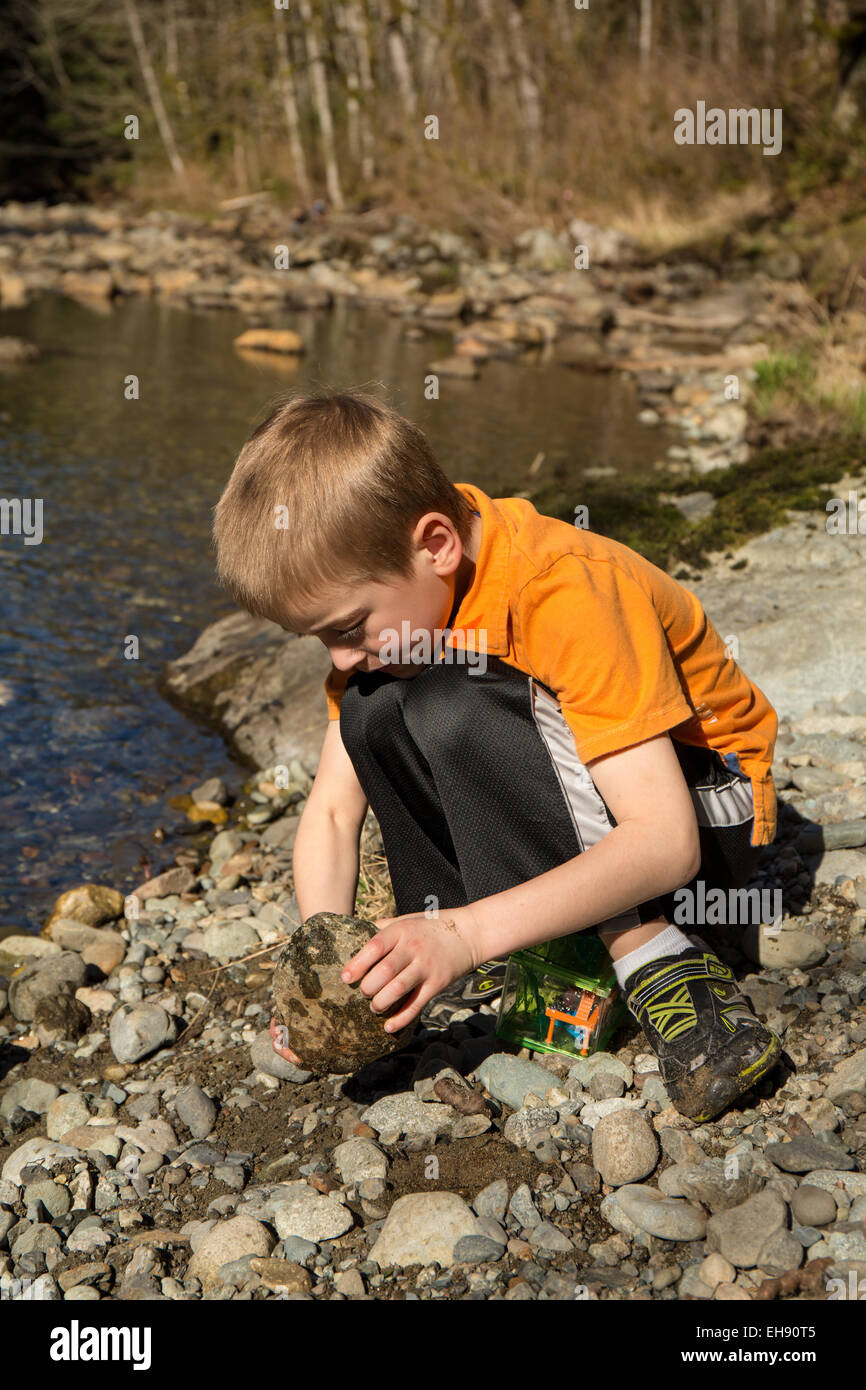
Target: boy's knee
(440, 711)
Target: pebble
(605, 1085)
(522, 1207)
(624, 1148)
(227, 941)
(528, 1126)
(196, 1110)
(228, 1240)
(137, 1030)
(804, 1154)
(715, 1270)
(44, 1152)
(358, 1159)
(298, 1210)
(546, 1236)
(404, 1113)
(666, 1217)
(266, 1060)
(424, 1227)
(492, 1200)
(295, 1248)
(740, 1233)
(585, 1068)
(41, 980)
(508, 1079)
(33, 1095)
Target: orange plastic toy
(580, 1021)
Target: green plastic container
(572, 976)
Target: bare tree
(288, 96)
(499, 65)
(645, 40)
(770, 18)
(319, 87)
(729, 39)
(160, 114)
(706, 29)
(530, 96)
(361, 82)
(400, 60)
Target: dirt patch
(465, 1166)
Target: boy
(558, 742)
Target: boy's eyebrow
(339, 624)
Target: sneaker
(486, 982)
(710, 1046)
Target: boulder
(90, 903)
(260, 686)
(331, 1026)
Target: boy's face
(356, 622)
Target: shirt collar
(484, 607)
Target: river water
(89, 752)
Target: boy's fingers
(360, 963)
(412, 1006)
(395, 990)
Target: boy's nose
(347, 658)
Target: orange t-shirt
(627, 651)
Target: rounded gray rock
(812, 1206)
(137, 1030)
(624, 1148)
(271, 1063)
(41, 981)
(330, 1024)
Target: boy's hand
(413, 958)
(280, 1042)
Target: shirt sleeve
(335, 684)
(592, 634)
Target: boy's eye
(352, 634)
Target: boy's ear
(435, 532)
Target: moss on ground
(751, 498)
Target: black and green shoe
(710, 1046)
(486, 982)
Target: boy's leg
(475, 788)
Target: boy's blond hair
(326, 492)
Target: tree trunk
(400, 61)
(497, 53)
(319, 86)
(530, 97)
(728, 31)
(150, 82)
(171, 65)
(356, 25)
(286, 83)
(645, 40)
(770, 18)
(707, 30)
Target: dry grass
(661, 229)
(375, 896)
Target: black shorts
(476, 784)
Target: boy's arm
(325, 860)
(653, 849)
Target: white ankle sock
(669, 942)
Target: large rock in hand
(330, 1024)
